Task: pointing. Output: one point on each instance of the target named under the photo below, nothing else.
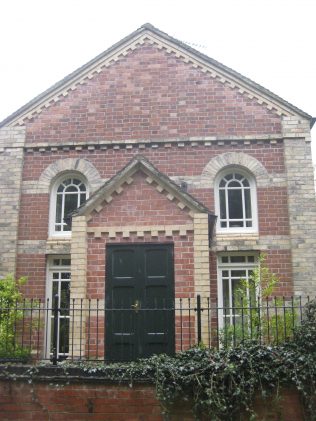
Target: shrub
(11, 314)
(258, 316)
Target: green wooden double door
(139, 316)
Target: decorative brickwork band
(140, 231)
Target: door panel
(140, 301)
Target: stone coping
(61, 374)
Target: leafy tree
(11, 314)
(259, 316)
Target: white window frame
(253, 198)
(229, 266)
(49, 302)
(53, 200)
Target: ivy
(217, 384)
(220, 385)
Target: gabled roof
(148, 33)
(139, 163)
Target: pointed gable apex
(150, 34)
(162, 183)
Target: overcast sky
(270, 41)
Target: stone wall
(11, 156)
(301, 203)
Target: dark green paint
(140, 299)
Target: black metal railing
(33, 330)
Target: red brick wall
(187, 161)
(183, 262)
(33, 266)
(273, 211)
(151, 94)
(40, 401)
(34, 213)
(172, 161)
(140, 204)
(279, 262)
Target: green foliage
(10, 316)
(221, 385)
(258, 317)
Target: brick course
(172, 161)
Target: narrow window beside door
(59, 278)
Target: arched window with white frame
(236, 201)
(68, 193)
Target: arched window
(236, 201)
(68, 193)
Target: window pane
(235, 204)
(82, 187)
(71, 189)
(226, 293)
(248, 203)
(61, 188)
(71, 203)
(239, 274)
(82, 198)
(55, 288)
(67, 182)
(238, 292)
(234, 184)
(222, 201)
(245, 183)
(59, 202)
(222, 183)
(64, 335)
(238, 259)
(65, 298)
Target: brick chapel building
(154, 172)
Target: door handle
(136, 306)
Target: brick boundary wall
(53, 397)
